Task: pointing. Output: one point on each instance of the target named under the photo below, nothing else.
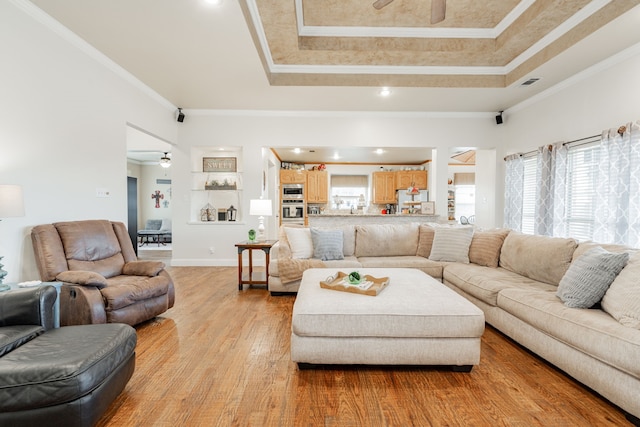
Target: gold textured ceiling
(492, 43)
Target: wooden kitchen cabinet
(317, 187)
(404, 179)
(293, 176)
(384, 187)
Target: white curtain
(514, 188)
(618, 190)
(551, 184)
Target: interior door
(132, 210)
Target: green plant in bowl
(354, 278)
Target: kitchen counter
(333, 218)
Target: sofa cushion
(589, 277)
(541, 258)
(425, 240)
(485, 247)
(300, 242)
(451, 244)
(432, 268)
(123, 291)
(591, 331)
(30, 378)
(486, 283)
(12, 337)
(622, 299)
(386, 239)
(327, 244)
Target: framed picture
(428, 208)
(219, 164)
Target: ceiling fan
(438, 8)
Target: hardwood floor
(221, 358)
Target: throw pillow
(425, 240)
(589, 276)
(327, 244)
(485, 247)
(300, 242)
(451, 244)
(622, 299)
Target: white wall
(603, 97)
(253, 131)
(147, 185)
(596, 101)
(63, 119)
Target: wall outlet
(212, 250)
(102, 192)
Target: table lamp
(260, 207)
(11, 205)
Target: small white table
(56, 305)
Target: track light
(165, 161)
(180, 115)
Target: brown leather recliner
(103, 281)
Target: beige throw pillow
(300, 242)
(425, 240)
(485, 247)
(622, 299)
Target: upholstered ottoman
(415, 320)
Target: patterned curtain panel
(551, 184)
(514, 188)
(618, 190)
(560, 160)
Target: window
(347, 189)
(582, 175)
(465, 194)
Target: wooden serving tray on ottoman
(368, 286)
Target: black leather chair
(58, 377)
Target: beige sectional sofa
(515, 279)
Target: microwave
(292, 210)
(293, 191)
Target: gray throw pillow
(327, 244)
(589, 276)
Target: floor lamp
(11, 205)
(261, 208)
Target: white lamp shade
(11, 201)
(260, 207)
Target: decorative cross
(157, 195)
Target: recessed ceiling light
(379, 151)
(385, 91)
(336, 156)
(213, 2)
(296, 150)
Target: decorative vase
(252, 235)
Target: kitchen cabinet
(293, 176)
(384, 187)
(404, 179)
(317, 189)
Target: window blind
(464, 178)
(529, 195)
(342, 181)
(582, 175)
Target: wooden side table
(265, 246)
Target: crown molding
(343, 114)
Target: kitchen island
(334, 219)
